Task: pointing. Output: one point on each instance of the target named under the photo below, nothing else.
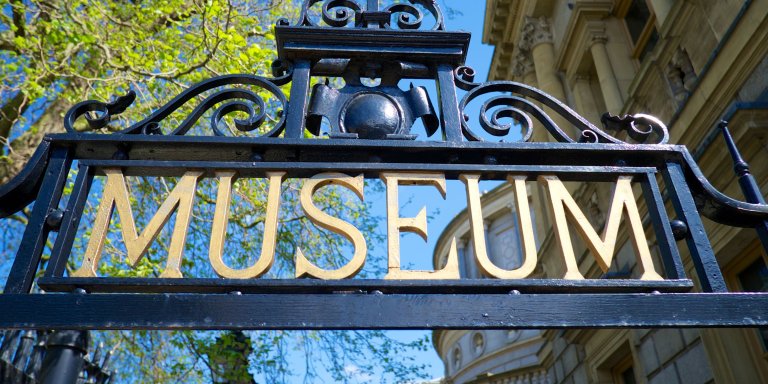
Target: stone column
(464, 261)
(470, 257)
(488, 247)
(608, 84)
(537, 38)
(517, 253)
(585, 99)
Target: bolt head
(679, 229)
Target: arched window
(478, 343)
(456, 358)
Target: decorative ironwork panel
(369, 123)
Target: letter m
(564, 209)
(115, 194)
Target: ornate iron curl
(339, 13)
(345, 11)
(234, 99)
(640, 127)
(403, 10)
(104, 111)
(517, 100)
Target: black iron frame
(372, 48)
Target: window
(478, 343)
(614, 361)
(639, 21)
(513, 335)
(623, 372)
(456, 358)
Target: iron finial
(739, 165)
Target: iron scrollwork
(517, 101)
(228, 100)
(340, 13)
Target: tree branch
(8, 46)
(17, 7)
(10, 112)
(166, 21)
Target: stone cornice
(503, 21)
(586, 23)
(500, 17)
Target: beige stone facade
(691, 63)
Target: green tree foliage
(54, 53)
(66, 51)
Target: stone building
(691, 63)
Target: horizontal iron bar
(375, 311)
(318, 51)
(305, 169)
(465, 286)
(419, 46)
(342, 144)
(195, 148)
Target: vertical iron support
(673, 266)
(64, 357)
(747, 182)
(27, 259)
(449, 104)
(70, 222)
(704, 259)
(297, 105)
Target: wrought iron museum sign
(369, 128)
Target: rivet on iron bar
(490, 160)
(679, 229)
(54, 218)
(121, 153)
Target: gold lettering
(418, 225)
(303, 266)
(603, 248)
(116, 195)
(524, 221)
(219, 228)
